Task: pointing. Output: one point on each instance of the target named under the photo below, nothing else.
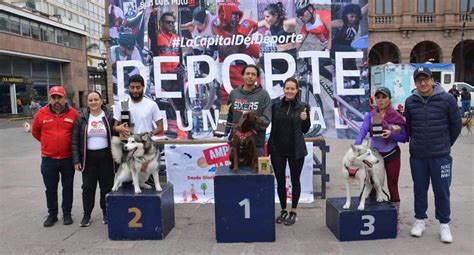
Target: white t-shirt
(96, 133)
(143, 115)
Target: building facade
(37, 53)
(87, 15)
(417, 31)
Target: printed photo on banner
(191, 54)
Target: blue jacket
(434, 123)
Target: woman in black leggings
(290, 120)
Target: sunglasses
(420, 80)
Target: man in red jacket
(52, 127)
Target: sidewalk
(23, 208)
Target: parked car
(470, 89)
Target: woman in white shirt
(92, 154)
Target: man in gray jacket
(434, 125)
(251, 97)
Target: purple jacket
(379, 143)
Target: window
(426, 6)
(14, 24)
(54, 70)
(21, 67)
(25, 28)
(39, 68)
(467, 6)
(74, 40)
(47, 33)
(4, 24)
(383, 7)
(35, 30)
(5, 65)
(59, 36)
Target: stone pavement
(23, 210)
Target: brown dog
(243, 145)
(467, 122)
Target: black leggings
(279, 167)
(99, 167)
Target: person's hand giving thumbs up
(303, 114)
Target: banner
(191, 54)
(191, 169)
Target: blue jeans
(466, 107)
(439, 171)
(51, 169)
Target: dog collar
(242, 136)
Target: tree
(204, 187)
(89, 49)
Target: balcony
(425, 18)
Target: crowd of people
(81, 141)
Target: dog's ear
(365, 142)
(144, 136)
(353, 148)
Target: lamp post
(461, 59)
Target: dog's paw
(138, 191)
(381, 199)
(158, 188)
(114, 188)
(361, 207)
(346, 205)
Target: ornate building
(416, 31)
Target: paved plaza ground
(23, 210)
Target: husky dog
(141, 151)
(366, 165)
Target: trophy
(221, 125)
(377, 128)
(125, 118)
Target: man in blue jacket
(434, 125)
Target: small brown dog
(243, 145)
(467, 122)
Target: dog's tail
(116, 146)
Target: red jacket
(54, 131)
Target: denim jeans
(52, 170)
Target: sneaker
(445, 233)
(418, 228)
(67, 219)
(104, 218)
(86, 221)
(50, 220)
(282, 217)
(291, 219)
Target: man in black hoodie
(250, 97)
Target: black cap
(383, 90)
(422, 70)
(199, 16)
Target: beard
(137, 96)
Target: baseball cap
(383, 90)
(422, 70)
(57, 90)
(199, 16)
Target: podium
(244, 206)
(145, 216)
(377, 221)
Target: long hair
(277, 9)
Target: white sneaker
(418, 228)
(445, 233)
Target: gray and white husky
(366, 165)
(141, 149)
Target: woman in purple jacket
(394, 130)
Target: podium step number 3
(377, 221)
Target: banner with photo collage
(191, 53)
